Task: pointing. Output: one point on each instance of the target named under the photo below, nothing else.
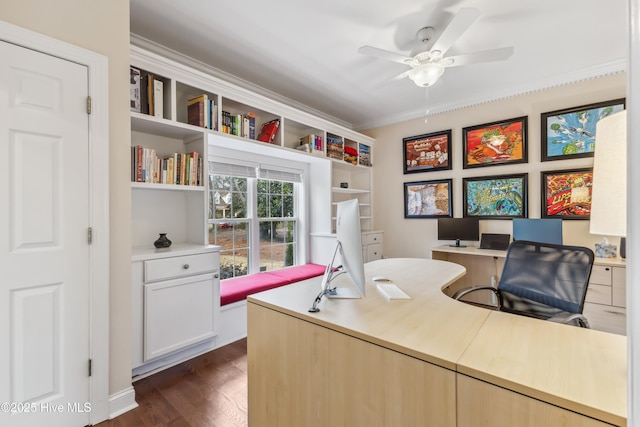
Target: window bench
(237, 288)
(234, 292)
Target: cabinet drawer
(600, 294)
(180, 266)
(606, 318)
(619, 285)
(368, 239)
(601, 275)
(374, 252)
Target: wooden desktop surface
(557, 370)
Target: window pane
(287, 206)
(234, 264)
(277, 244)
(275, 187)
(287, 188)
(276, 206)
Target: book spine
(150, 95)
(158, 98)
(135, 89)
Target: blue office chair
(543, 280)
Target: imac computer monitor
(547, 230)
(349, 246)
(459, 229)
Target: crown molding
(198, 65)
(602, 70)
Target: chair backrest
(543, 279)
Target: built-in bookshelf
(179, 116)
(226, 111)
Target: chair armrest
(466, 291)
(568, 318)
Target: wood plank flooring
(208, 391)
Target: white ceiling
(306, 51)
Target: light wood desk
(370, 362)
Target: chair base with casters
(544, 281)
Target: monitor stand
(345, 293)
(458, 245)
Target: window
(229, 225)
(253, 220)
(277, 224)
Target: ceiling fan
(427, 65)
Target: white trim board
(97, 66)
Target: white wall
(102, 27)
(415, 237)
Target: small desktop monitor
(459, 229)
(349, 246)
(544, 230)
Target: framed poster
(428, 199)
(566, 194)
(496, 143)
(495, 197)
(571, 133)
(426, 153)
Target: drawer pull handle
(614, 312)
(186, 266)
(215, 276)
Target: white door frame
(97, 66)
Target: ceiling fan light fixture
(426, 74)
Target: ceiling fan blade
(458, 25)
(385, 54)
(491, 55)
(401, 76)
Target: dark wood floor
(208, 391)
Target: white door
(44, 251)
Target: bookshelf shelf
(166, 187)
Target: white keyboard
(391, 291)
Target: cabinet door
(177, 313)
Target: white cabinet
(372, 245)
(176, 300)
(605, 303)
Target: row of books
(311, 143)
(147, 93)
(202, 111)
(176, 169)
(243, 125)
(335, 148)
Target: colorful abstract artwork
(571, 133)
(495, 197)
(567, 194)
(428, 199)
(496, 143)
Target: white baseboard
(122, 402)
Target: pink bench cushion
(237, 288)
(299, 272)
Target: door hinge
(89, 235)
(90, 367)
(88, 105)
